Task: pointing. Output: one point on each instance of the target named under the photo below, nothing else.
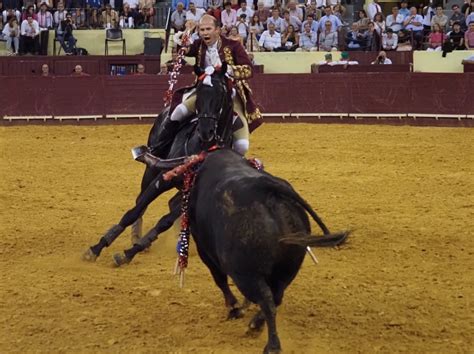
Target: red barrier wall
(276, 93)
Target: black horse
(253, 227)
(211, 126)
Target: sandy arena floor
(403, 283)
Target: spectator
(455, 39)
(255, 30)
(457, 16)
(275, 20)
(404, 11)
(389, 40)
(440, 18)
(194, 14)
(289, 20)
(174, 4)
(328, 38)
(355, 39)
(178, 18)
(148, 8)
(133, 4)
(11, 33)
(126, 19)
(141, 69)
(395, 20)
(382, 59)
(11, 8)
(363, 22)
(59, 15)
(268, 4)
(45, 70)
(109, 17)
(214, 8)
(244, 10)
(404, 41)
(94, 20)
(427, 14)
(45, 22)
(469, 36)
(465, 7)
(163, 69)
(144, 18)
(308, 40)
(270, 39)
(78, 72)
(94, 4)
(379, 23)
(414, 23)
(470, 17)
(262, 13)
(30, 11)
(312, 22)
(374, 41)
(228, 17)
(289, 40)
(79, 18)
(234, 35)
(339, 11)
(65, 36)
(436, 39)
(335, 22)
(242, 27)
(29, 36)
(295, 11)
(373, 8)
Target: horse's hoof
(120, 260)
(89, 256)
(235, 313)
(256, 324)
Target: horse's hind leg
(163, 224)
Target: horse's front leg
(157, 187)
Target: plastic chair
(114, 35)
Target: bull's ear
(198, 70)
(223, 69)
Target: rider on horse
(210, 51)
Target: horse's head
(213, 105)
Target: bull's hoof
(235, 313)
(120, 259)
(89, 256)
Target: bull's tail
(285, 189)
(304, 240)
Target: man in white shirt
(395, 20)
(295, 11)
(270, 39)
(382, 59)
(373, 8)
(194, 14)
(200, 4)
(275, 19)
(245, 10)
(29, 36)
(132, 3)
(414, 23)
(389, 40)
(335, 22)
(312, 22)
(178, 18)
(308, 40)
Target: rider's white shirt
(212, 56)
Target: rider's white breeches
(241, 146)
(180, 113)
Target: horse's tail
(302, 239)
(283, 188)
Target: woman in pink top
(436, 38)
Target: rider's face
(208, 32)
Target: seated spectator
(372, 9)
(457, 16)
(59, 15)
(228, 18)
(245, 10)
(389, 40)
(289, 40)
(276, 20)
(312, 22)
(404, 11)
(11, 33)
(8, 13)
(141, 70)
(436, 39)
(78, 72)
(373, 39)
(263, 14)
(65, 36)
(289, 20)
(470, 16)
(414, 23)
(295, 11)
(178, 18)
(355, 39)
(214, 8)
(144, 18)
(308, 40)
(338, 11)
(404, 41)
(234, 35)
(30, 11)
(45, 70)
(255, 31)
(29, 36)
(456, 38)
(440, 19)
(469, 36)
(270, 39)
(109, 17)
(164, 69)
(79, 18)
(194, 14)
(45, 22)
(382, 59)
(363, 21)
(335, 22)
(133, 4)
(242, 27)
(94, 20)
(395, 20)
(328, 38)
(379, 23)
(126, 19)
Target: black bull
(253, 227)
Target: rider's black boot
(165, 138)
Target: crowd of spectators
(271, 25)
